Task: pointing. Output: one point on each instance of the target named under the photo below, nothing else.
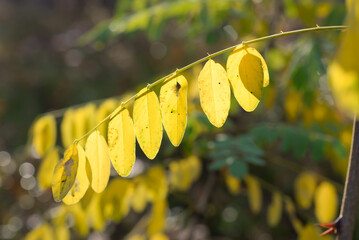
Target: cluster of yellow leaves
(324, 195)
(114, 140)
(343, 72)
(117, 200)
(184, 172)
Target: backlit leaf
(173, 101)
(42, 232)
(214, 92)
(310, 232)
(102, 112)
(67, 128)
(248, 74)
(158, 217)
(122, 142)
(275, 210)
(82, 183)
(147, 122)
(65, 173)
(254, 194)
(140, 197)
(99, 158)
(326, 202)
(84, 120)
(44, 134)
(44, 175)
(304, 188)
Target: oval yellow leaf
(140, 196)
(248, 74)
(326, 202)
(309, 232)
(44, 231)
(173, 99)
(304, 188)
(214, 92)
(102, 112)
(65, 173)
(157, 222)
(254, 194)
(99, 158)
(44, 134)
(67, 128)
(44, 176)
(82, 183)
(122, 142)
(233, 183)
(275, 210)
(159, 236)
(84, 120)
(147, 122)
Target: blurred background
(58, 54)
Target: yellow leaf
(62, 232)
(293, 105)
(102, 112)
(233, 183)
(94, 213)
(122, 143)
(99, 158)
(173, 99)
(79, 214)
(140, 197)
(309, 232)
(158, 218)
(137, 237)
(44, 131)
(254, 194)
(326, 202)
(156, 183)
(304, 188)
(275, 210)
(44, 175)
(214, 92)
(195, 166)
(248, 74)
(65, 173)
(290, 209)
(42, 232)
(147, 122)
(175, 175)
(159, 236)
(82, 183)
(84, 120)
(67, 128)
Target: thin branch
(351, 190)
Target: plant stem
(351, 189)
(178, 71)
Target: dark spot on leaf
(178, 86)
(172, 111)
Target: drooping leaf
(254, 194)
(158, 217)
(42, 232)
(122, 142)
(44, 175)
(84, 120)
(173, 99)
(99, 158)
(140, 197)
(81, 183)
(304, 188)
(238, 168)
(65, 173)
(290, 209)
(326, 202)
(248, 74)
(214, 92)
(233, 183)
(44, 134)
(147, 122)
(274, 213)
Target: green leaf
(238, 169)
(254, 159)
(317, 150)
(221, 163)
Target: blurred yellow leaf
(94, 212)
(254, 194)
(147, 122)
(275, 210)
(102, 112)
(248, 74)
(137, 237)
(140, 196)
(326, 202)
(304, 188)
(122, 142)
(42, 232)
(81, 183)
(293, 105)
(62, 232)
(65, 173)
(233, 183)
(214, 92)
(158, 217)
(99, 158)
(173, 99)
(290, 209)
(44, 134)
(67, 128)
(44, 175)
(84, 120)
(156, 183)
(79, 214)
(159, 236)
